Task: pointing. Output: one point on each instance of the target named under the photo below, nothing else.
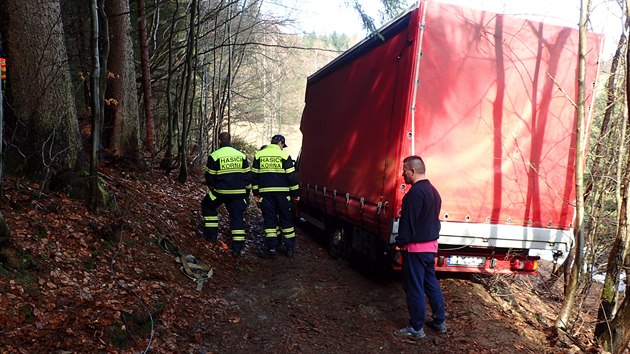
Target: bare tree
(571, 290)
(96, 107)
(390, 8)
(5, 232)
(2, 79)
(171, 113)
(613, 327)
(186, 82)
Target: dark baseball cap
(278, 138)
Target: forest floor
(73, 281)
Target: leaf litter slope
(79, 282)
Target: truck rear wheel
(337, 240)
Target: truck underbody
(492, 250)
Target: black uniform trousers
(276, 211)
(235, 205)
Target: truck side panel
(352, 122)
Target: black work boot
(269, 253)
(207, 235)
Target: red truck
(487, 100)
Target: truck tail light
(398, 259)
(527, 265)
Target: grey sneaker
(440, 328)
(409, 332)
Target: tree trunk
(613, 326)
(563, 270)
(104, 54)
(121, 113)
(167, 161)
(571, 290)
(44, 118)
(189, 73)
(146, 78)
(5, 231)
(1, 130)
(228, 81)
(621, 324)
(96, 108)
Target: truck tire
(337, 240)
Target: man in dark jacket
(418, 233)
(228, 178)
(275, 185)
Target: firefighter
(229, 182)
(275, 187)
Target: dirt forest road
(314, 304)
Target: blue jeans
(419, 280)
